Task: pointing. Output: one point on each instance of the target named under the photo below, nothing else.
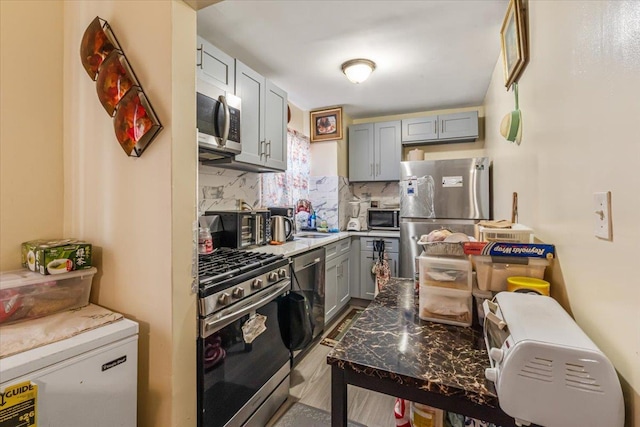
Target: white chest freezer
(87, 380)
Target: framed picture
(513, 37)
(326, 125)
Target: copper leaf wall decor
(134, 121)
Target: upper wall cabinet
(374, 151)
(215, 66)
(441, 129)
(263, 125)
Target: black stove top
(225, 263)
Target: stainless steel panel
(412, 229)
(270, 406)
(453, 189)
(261, 396)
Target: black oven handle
(225, 317)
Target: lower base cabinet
(337, 273)
(368, 258)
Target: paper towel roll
(415, 154)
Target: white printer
(545, 369)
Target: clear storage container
(27, 295)
(449, 306)
(492, 274)
(518, 233)
(479, 296)
(443, 272)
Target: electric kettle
(279, 232)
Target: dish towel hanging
(380, 268)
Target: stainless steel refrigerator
(436, 194)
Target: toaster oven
(241, 229)
(545, 369)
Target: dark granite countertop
(389, 340)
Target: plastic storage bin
(27, 295)
(442, 272)
(478, 297)
(448, 306)
(492, 274)
(516, 234)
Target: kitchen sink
(310, 236)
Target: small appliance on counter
(284, 211)
(546, 370)
(383, 219)
(281, 229)
(354, 221)
(239, 229)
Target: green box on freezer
(56, 256)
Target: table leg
(338, 397)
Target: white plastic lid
(24, 277)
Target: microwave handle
(258, 230)
(227, 120)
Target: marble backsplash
(220, 189)
(324, 196)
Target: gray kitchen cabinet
(375, 151)
(368, 258)
(337, 276)
(275, 128)
(263, 125)
(215, 66)
(440, 129)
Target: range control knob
(273, 276)
(256, 284)
(238, 292)
(282, 273)
(224, 299)
(491, 374)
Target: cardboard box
(56, 256)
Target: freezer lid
(447, 189)
(23, 363)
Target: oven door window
(232, 371)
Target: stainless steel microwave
(383, 219)
(218, 122)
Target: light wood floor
(311, 385)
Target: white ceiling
(430, 54)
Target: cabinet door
(330, 289)
(361, 160)
(275, 131)
(215, 66)
(367, 282)
(459, 126)
(250, 87)
(387, 152)
(394, 263)
(344, 274)
(420, 129)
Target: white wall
(138, 212)
(31, 161)
(580, 100)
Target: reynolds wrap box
(56, 256)
(534, 250)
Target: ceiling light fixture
(358, 70)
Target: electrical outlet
(602, 212)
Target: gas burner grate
(224, 263)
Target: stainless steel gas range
(243, 364)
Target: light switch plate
(602, 212)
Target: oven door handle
(225, 317)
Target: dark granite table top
(389, 340)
